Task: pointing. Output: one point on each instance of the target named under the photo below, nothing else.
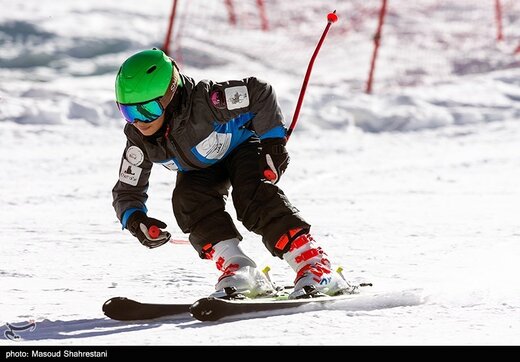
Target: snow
(413, 188)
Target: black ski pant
(199, 201)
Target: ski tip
(115, 308)
(109, 304)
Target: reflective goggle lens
(144, 112)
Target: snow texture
(414, 188)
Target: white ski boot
(239, 273)
(313, 269)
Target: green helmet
(144, 76)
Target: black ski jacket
(206, 123)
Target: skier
(216, 135)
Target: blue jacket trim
(128, 212)
(277, 132)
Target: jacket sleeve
(129, 193)
(268, 121)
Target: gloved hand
(274, 158)
(139, 225)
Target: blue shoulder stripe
(277, 132)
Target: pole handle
(269, 175)
(154, 232)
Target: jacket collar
(178, 111)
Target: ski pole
(154, 231)
(331, 18)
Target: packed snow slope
(414, 188)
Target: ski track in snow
(414, 188)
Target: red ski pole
(331, 18)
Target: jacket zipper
(181, 154)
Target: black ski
(123, 309)
(213, 309)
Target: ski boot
(314, 277)
(240, 276)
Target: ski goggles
(149, 111)
(146, 112)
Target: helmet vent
(151, 69)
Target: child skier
(216, 135)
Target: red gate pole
(263, 15)
(178, 36)
(166, 45)
(377, 42)
(331, 19)
(498, 17)
(231, 12)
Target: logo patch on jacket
(237, 97)
(134, 155)
(129, 174)
(218, 99)
(170, 165)
(214, 146)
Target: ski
(124, 309)
(213, 309)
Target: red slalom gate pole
(166, 45)
(377, 42)
(231, 12)
(498, 17)
(263, 14)
(331, 18)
